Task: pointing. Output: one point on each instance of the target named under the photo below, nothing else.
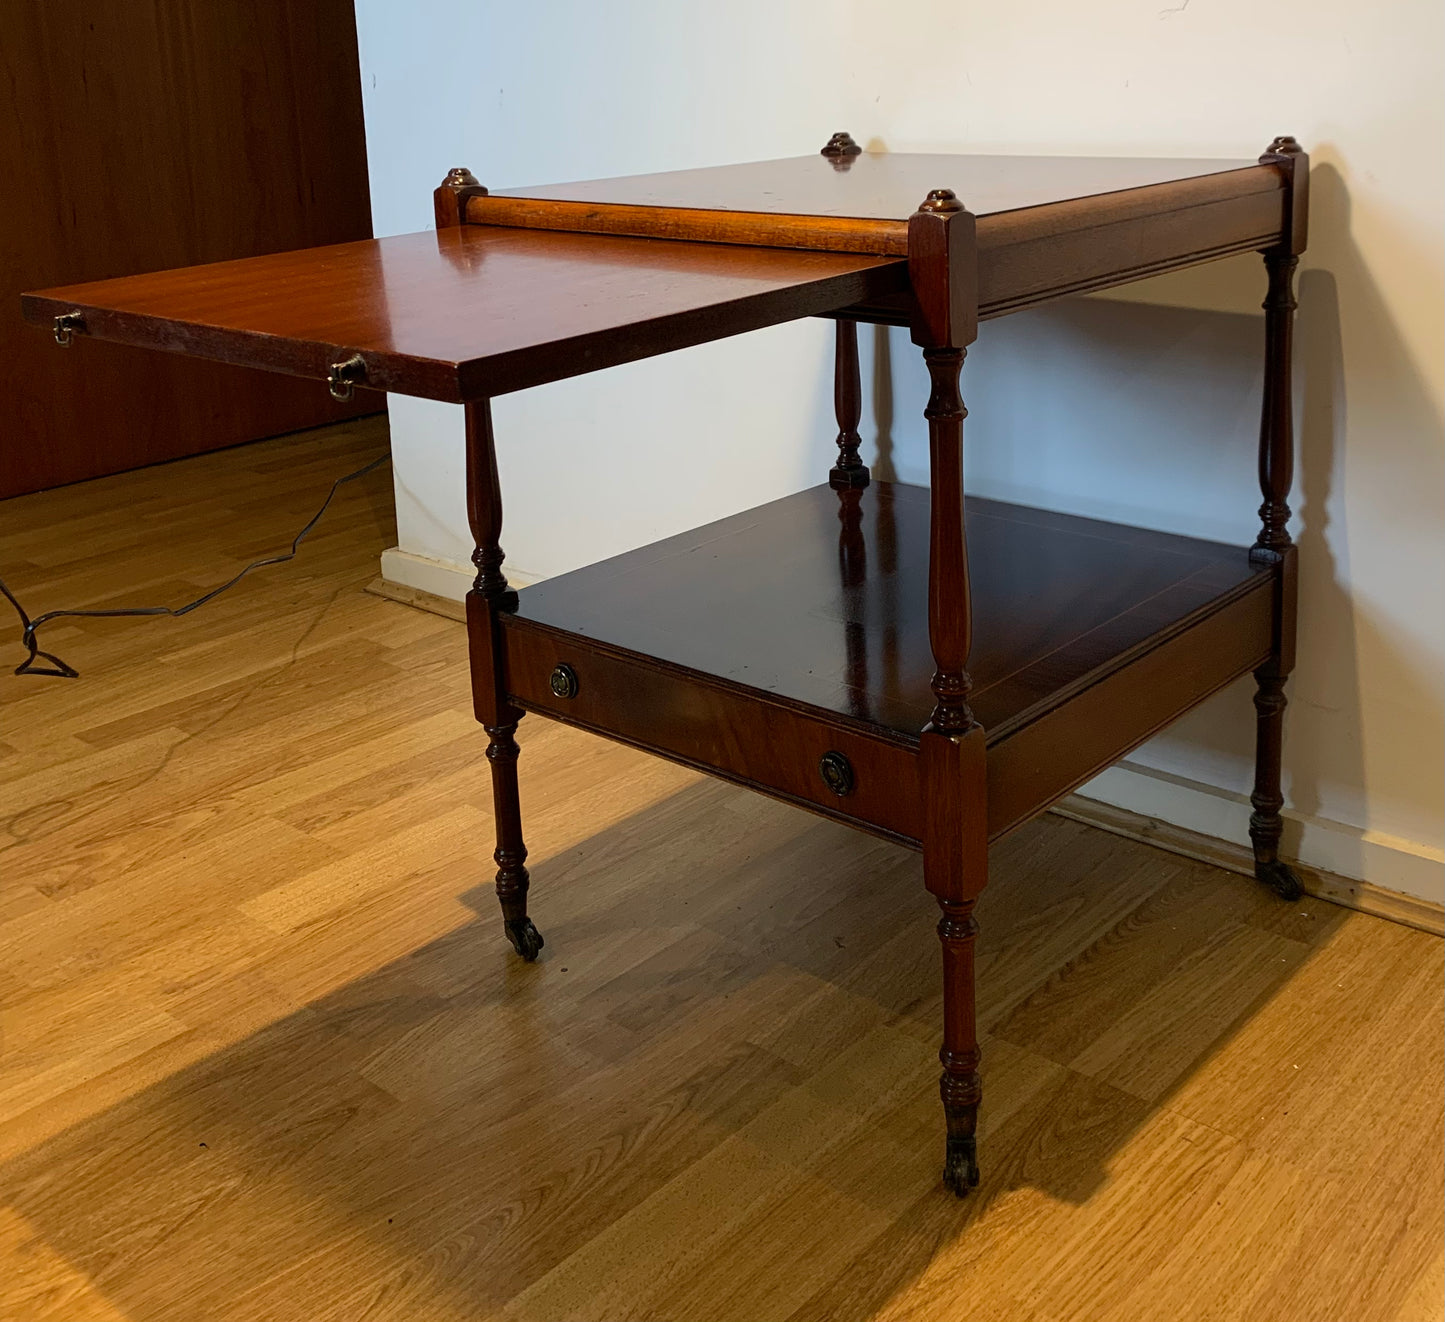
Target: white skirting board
(1353, 893)
(1402, 880)
(405, 570)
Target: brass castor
(525, 938)
(1282, 879)
(960, 1165)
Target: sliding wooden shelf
(929, 669)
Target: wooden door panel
(153, 134)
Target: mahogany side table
(847, 649)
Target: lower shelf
(753, 646)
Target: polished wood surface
(264, 1061)
(153, 134)
(879, 185)
(1047, 226)
(758, 600)
(756, 646)
(736, 733)
(695, 224)
(481, 309)
(468, 312)
(850, 471)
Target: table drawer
(744, 735)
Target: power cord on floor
(61, 670)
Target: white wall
(1145, 413)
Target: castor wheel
(1282, 879)
(960, 1165)
(525, 938)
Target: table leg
(952, 757)
(490, 598)
(1275, 547)
(511, 853)
(959, 1085)
(850, 471)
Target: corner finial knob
(1284, 145)
(460, 177)
(841, 144)
(941, 201)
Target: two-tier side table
(928, 668)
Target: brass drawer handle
(837, 773)
(564, 681)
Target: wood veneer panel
(472, 311)
(1041, 761)
(769, 745)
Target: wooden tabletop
(541, 284)
(471, 311)
(883, 185)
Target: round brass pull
(837, 773)
(564, 681)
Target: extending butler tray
(847, 649)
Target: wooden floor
(266, 1054)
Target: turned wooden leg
(490, 598)
(952, 766)
(1274, 547)
(850, 472)
(511, 853)
(1265, 823)
(959, 1084)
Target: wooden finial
(941, 202)
(449, 201)
(1284, 145)
(841, 144)
(460, 177)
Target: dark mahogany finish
(449, 200)
(471, 311)
(887, 186)
(1274, 545)
(850, 471)
(790, 606)
(841, 145)
(931, 669)
(489, 600)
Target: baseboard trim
(418, 597)
(438, 586)
(1410, 910)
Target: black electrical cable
(63, 671)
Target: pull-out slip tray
(472, 311)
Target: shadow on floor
(729, 1043)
